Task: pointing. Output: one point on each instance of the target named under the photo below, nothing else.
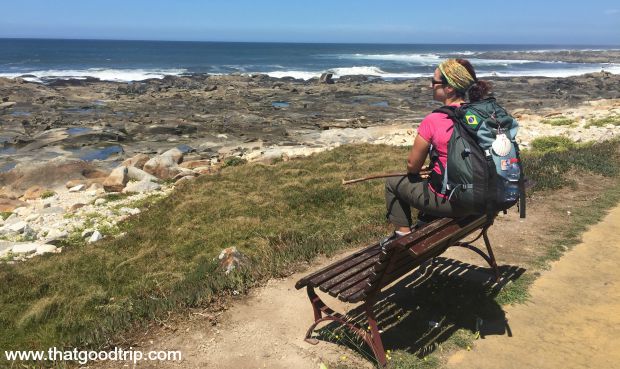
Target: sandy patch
(573, 317)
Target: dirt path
(572, 320)
(573, 317)
(262, 330)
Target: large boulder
(141, 186)
(25, 247)
(117, 180)
(162, 167)
(136, 174)
(87, 182)
(93, 173)
(185, 173)
(54, 173)
(137, 161)
(196, 164)
(34, 192)
(8, 205)
(175, 154)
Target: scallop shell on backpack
(502, 145)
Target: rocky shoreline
(566, 56)
(68, 144)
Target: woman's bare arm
(417, 155)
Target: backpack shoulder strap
(450, 111)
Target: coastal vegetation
(552, 143)
(559, 121)
(600, 122)
(47, 193)
(281, 216)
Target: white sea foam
(422, 59)
(339, 72)
(504, 62)
(550, 50)
(298, 74)
(372, 71)
(119, 75)
(432, 59)
(466, 52)
(557, 73)
(568, 71)
(122, 75)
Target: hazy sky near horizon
(595, 22)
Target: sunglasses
(434, 82)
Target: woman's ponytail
(480, 89)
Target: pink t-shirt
(436, 128)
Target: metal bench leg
(490, 257)
(492, 262)
(375, 336)
(372, 338)
(321, 309)
(317, 305)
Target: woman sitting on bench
(452, 82)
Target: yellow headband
(456, 74)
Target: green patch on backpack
(471, 119)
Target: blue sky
(388, 21)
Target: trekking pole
(385, 175)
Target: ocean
(44, 59)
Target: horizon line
(300, 42)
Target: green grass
(47, 193)
(552, 143)
(5, 214)
(559, 121)
(233, 161)
(516, 292)
(116, 196)
(569, 234)
(404, 360)
(553, 158)
(278, 215)
(146, 201)
(601, 122)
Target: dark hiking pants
(402, 193)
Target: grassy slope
(278, 215)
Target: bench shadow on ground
(427, 307)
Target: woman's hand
(425, 172)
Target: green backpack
(484, 171)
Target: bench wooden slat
(353, 290)
(364, 275)
(407, 255)
(456, 231)
(426, 230)
(351, 272)
(337, 267)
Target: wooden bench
(361, 276)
